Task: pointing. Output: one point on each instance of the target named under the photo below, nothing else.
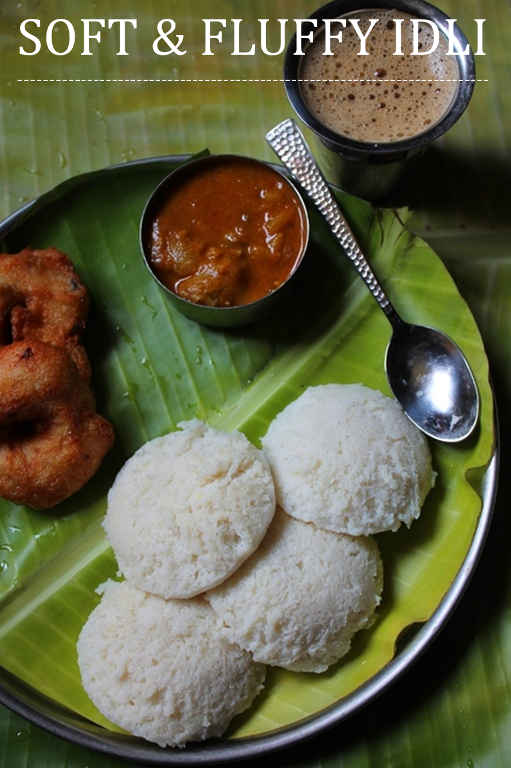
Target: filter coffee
(379, 97)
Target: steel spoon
(427, 372)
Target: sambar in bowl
(224, 235)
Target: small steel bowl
(219, 316)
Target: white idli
(347, 458)
(164, 669)
(300, 598)
(188, 508)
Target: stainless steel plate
(48, 714)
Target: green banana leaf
(153, 368)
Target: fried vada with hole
(52, 441)
(43, 298)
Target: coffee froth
(379, 97)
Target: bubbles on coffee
(380, 97)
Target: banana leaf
(153, 368)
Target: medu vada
(52, 441)
(42, 297)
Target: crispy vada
(43, 298)
(52, 441)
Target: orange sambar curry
(230, 233)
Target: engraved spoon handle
(288, 143)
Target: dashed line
(236, 80)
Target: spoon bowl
(430, 378)
(427, 372)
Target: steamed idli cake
(163, 669)
(347, 458)
(300, 598)
(188, 508)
